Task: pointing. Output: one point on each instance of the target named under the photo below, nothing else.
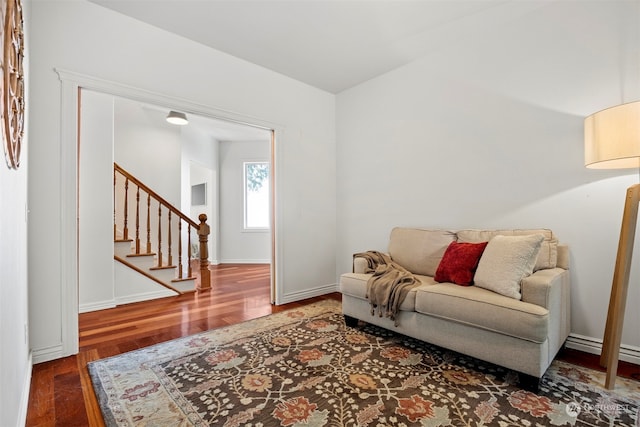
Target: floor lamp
(612, 141)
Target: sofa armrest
(563, 257)
(550, 289)
(359, 265)
(544, 286)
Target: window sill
(255, 230)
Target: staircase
(151, 247)
(146, 264)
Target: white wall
(149, 148)
(130, 286)
(15, 357)
(236, 244)
(95, 214)
(200, 165)
(118, 129)
(88, 39)
(489, 134)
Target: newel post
(203, 236)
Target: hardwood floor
(61, 391)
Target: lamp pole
(619, 287)
(612, 141)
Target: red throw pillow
(459, 263)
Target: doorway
(175, 160)
(71, 86)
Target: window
(256, 195)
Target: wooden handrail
(202, 229)
(155, 195)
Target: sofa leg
(350, 321)
(530, 383)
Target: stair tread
(166, 284)
(122, 240)
(184, 279)
(141, 255)
(164, 267)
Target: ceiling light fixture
(177, 118)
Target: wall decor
(12, 81)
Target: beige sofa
(520, 334)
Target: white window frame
(245, 166)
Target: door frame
(71, 84)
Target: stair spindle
(138, 220)
(125, 231)
(169, 256)
(115, 234)
(179, 248)
(148, 223)
(189, 269)
(159, 235)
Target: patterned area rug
(303, 367)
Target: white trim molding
(145, 296)
(591, 345)
(127, 299)
(149, 97)
(315, 292)
(244, 261)
(71, 83)
(69, 217)
(46, 354)
(95, 306)
(26, 389)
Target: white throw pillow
(506, 261)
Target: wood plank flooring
(61, 390)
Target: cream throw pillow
(548, 256)
(506, 261)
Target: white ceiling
(220, 130)
(330, 44)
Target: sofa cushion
(548, 256)
(417, 250)
(484, 309)
(506, 261)
(355, 285)
(459, 263)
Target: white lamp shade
(177, 118)
(612, 138)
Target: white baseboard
(244, 261)
(315, 292)
(127, 299)
(46, 354)
(26, 389)
(591, 345)
(95, 306)
(146, 296)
